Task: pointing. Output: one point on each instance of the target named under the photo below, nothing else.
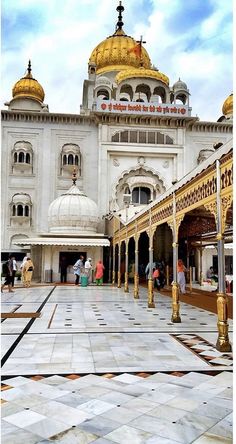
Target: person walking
(27, 272)
(14, 270)
(78, 268)
(7, 270)
(99, 270)
(63, 269)
(88, 269)
(181, 269)
(156, 278)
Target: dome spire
(28, 74)
(74, 177)
(120, 9)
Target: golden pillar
(167, 275)
(151, 303)
(174, 225)
(175, 287)
(223, 344)
(119, 262)
(136, 275)
(126, 286)
(114, 266)
(190, 279)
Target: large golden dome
(28, 87)
(118, 52)
(227, 108)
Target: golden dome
(141, 72)
(118, 52)
(227, 108)
(28, 87)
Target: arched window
(13, 210)
(70, 159)
(27, 158)
(141, 195)
(103, 94)
(26, 211)
(19, 210)
(70, 156)
(21, 157)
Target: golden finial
(120, 9)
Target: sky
(190, 39)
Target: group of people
(159, 278)
(9, 269)
(82, 268)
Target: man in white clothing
(88, 269)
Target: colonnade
(218, 208)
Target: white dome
(180, 85)
(73, 212)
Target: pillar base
(126, 286)
(150, 294)
(175, 304)
(176, 319)
(119, 280)
(136, 287)
(223, 345)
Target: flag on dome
(136, 49)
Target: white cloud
(66, 33)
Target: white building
(134, 135)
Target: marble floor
(98, 366)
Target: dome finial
(29, 67)
(120, 9)
(74, 177)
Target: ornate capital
(175, 224)
(212, 207)
(226, 204)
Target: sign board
(156, 109)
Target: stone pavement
(98, 366)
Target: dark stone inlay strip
(25, 330)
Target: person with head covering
(99, 270)
(181, 276)
(88, 269)
(27, 272)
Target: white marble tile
(24, 418)
(61, 412)
(128, 435)
(47, 427)
(210, 438)
(96, 406)
(121, 414)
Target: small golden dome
(28, 87)
(227, 108)
(141, 72)
(118, 52)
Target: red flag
(136, 49)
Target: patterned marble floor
(161, 382)
(126, 409)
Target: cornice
(53, 118)
(191, 123)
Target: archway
(131, 259)
(143, 246)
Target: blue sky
(191, 39)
